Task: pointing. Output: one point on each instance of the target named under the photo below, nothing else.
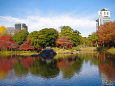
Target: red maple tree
(6, 43)
(26, 46)
(6, 38)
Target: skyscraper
(103, 17)
(21, 26)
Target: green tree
(34, 36)
(93, 38)
(20, 37)
(85, 42)
(76, 38)
(45, 37)
(74, 35)
(66, 31)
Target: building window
(104, 13)
(107, 13)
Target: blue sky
(38, 14)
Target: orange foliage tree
(64, 42)
(106, 34)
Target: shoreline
(60, 51)
(110, 50)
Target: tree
(6, 43)
(26, 46)
(106, 34)
(64, 42)
(16, 31)
(45, 37)
(76, 38)
(93, 38)
(3, 30)
(66, 31)
(74, 35)
(33, 36)
(20, 37)
(85, 42)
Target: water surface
(71, 70)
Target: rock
(47, 53)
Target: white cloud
(85, 25)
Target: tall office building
(21, 26)
(103, 17)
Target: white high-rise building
(103, 17)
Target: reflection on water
(73, 68)
(69, 66)
(107, 70)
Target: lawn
(26, 53)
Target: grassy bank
(88, 50)
(26, 53)
(111, 50)
(65, 52)
(75, 50)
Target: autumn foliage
(26, 46)
(64, 42)
(6, 43)
(6, 38)
(106, 34)
(2, 30)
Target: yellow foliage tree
(3, 30)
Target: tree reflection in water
(106, 66)
(5, 66)
(44, 69)
(69, 66)
(107, 70)
(19, 69)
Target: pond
(95, 69)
